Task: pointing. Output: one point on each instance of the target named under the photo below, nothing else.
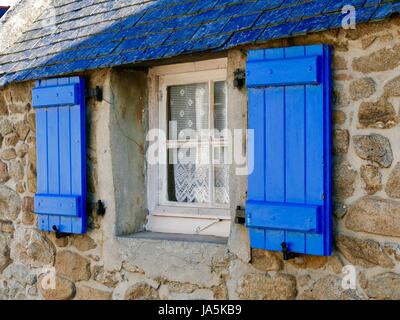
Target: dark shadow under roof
(78, 35)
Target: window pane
(220, 106)
(221, 175)
(221, 184)
(188, 109)
(189, 175)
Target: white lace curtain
(190, 180)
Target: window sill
(157, 236)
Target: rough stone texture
(384, 286)
(375, 215)
(107, 278)
(362, 88)
(7, 226)
(381, 60)
(28, 204)
(343, 180)
(72, 266)
(365, 253)
(8, 154)
(392, 188)
(341, 98)
(334, 264)
(329, 288)
(372, 178)
(84, 292)
(18, 98)
(10, 203)
(341, 140)
(20, 273)
(392, 88)
(380, 114)
(255, 286)
(339, 63)
(266, 260)
(64, 288)
(393, 249)
(83, 243)
(22, 130)
(4, 176)
(6, 127)
(309, 262)
(31, 176)
(11, 140)
(3, 106)
(22, 150)
(141, 291)
(33, 248)
(131, 268)
(338, 117)
(339, 209)
(4, 252)
(374, 147)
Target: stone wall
(108, 264)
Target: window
(192, 186)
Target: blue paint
(289, 196)
(57, 205)
(55, 95)
(61, 154)
(284, 216)
(304, 70)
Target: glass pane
(188, 110)
(189, 175)
(221, 184)
(221, 175)
(220, 107)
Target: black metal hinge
(100, 208)
(240, 217)
(239, 78)
(96, 93)
(60, 234)
(288, 255)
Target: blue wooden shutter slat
(41, 151)
(295, 153)
(275, 169)
(61, 154)
(65, 150)
(275, 132)
(291, 120)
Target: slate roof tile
(77, 35)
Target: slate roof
(77, 35)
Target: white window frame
(173, 217)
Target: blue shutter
(289, 195)
(61, 154)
